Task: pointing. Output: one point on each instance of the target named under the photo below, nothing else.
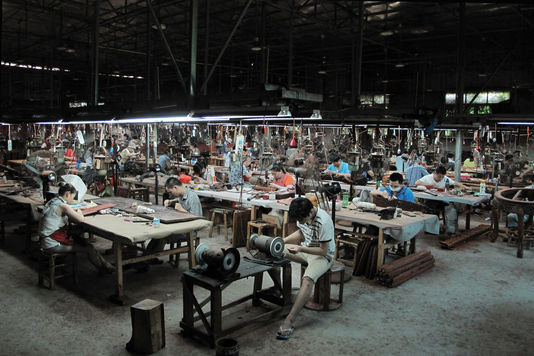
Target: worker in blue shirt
(337, 166)
(395, 190)
(165, 162)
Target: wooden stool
(138, 193)
(349, 239)
(175, 258)
(260, 225)
(2, 232)
(224, 212)
(321, 294)
(47, 267)
(148, 327)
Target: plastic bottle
(482, 186)
(345, 200)
(155, 222)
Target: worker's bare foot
(287, 324)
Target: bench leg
(212, 223)
(249, 228)
(75, 268)
(52, 270)
(225, 226)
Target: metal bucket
(227, 347)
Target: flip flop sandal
(285, 334)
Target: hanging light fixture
(256, 45)
(316, 115)
(284, 111)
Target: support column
(96, 53)
(147, 140)
(458, 156)
(290, 48)
(357, 51)
(194, 37)
(147, 59)
(263, 64)
(460, 89)
(206, 45)
(460, 63)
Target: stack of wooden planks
(366, 258)
(399, 271)
(464, 236)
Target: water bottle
(345, 200)
(155, 222)
(482, 187)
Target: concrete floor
(478, 299)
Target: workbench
(401, 229)
(469, 200)
(121, 232)
(32, 200)
(215, 329)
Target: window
(374, 100)
(485, 97)
(77, 104)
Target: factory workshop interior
(263, 177)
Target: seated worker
(313, 244)
(509, 170)
(401, 162)
(199, 173)
(415, 172)
(281, 177)
(395, 190)
(444, 161)
(239, 171)
(54, 224)
(364, 170)
(438, 179)
(337, 166)
(164, 162)
(452, 163)
(469, 162)
(184, 199)
(511, 218)
(127, 154)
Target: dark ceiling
(413, 51)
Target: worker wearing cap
(126, 154)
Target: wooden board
(166, 215)
(96, 209)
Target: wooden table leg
(29, 218)
(191, 245)
(520, 233)
(412, 244)
(258, 283)
(468, 218)
(118, 298)
(216, 313)
(380, 254)
(495, 220)
(284, 224)
(286, 283)
(188, 314)
(252, 213)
